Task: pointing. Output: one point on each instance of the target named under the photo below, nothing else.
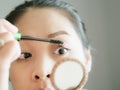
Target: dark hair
(58, 5)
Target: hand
(9, 52)
(11, 49)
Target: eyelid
(64, 45)
(65, 48)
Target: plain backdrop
(102, 19)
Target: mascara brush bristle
(56, 41)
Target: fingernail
(9, 26)
(2, 29)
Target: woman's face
(33, 73)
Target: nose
(43, 82)
(37, 77)
(42, 70)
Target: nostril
(37, 77)
(48, 75)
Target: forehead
(43, 22)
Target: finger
(10, 52)
(6, 36)
(7, 25)
(2, 29)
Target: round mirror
(67, 75)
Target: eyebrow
(57, 34)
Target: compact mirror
(68, 75)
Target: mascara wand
(19, 37)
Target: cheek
(18, 75)
(77, 50)
(79, 55)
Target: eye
(61, 51)
(25, 55)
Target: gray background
(102, 22)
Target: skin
(49, 24)
(12, 47)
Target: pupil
(27, 55)
(61, 51)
